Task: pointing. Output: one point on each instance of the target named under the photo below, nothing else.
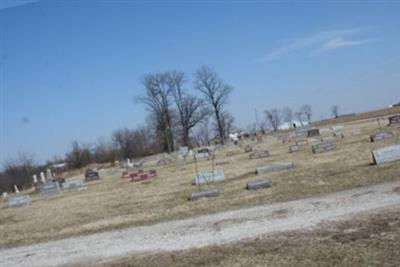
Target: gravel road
(218, 228)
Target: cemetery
(221, 179)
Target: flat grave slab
(351, 133)
(313, 132)
(19, 201)
(323, 147)
(302, 142)
(220, 163)
(386, 154)
(258, 184)
(259, 154)
(144, 175)
(274, 167)
(381, 136)
(394, 119)
(208, 177)
(74, 184)
(197, 195)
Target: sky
(69, 70)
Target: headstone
(49, 175)
(301, 132)
(50, 189)
(293, 148)
(232, 153)
(386, 154)
(258, 184)
(313, 132)
(381, 136)
(203, 154)
(42, 177)
(16, 189)
(324, 147)
(337, 127)
(208, 177)
(142, 176)
(248, 148)
(274, 167)
(338, 134)
(259, 154)
(35, 180)
(220, 163)
(353, 132)
(394, 119)
(302, 142)
(4, 195)
(324, 130)
(91, 175)
(197, 195)
(74, 184)
(260, 139)
(19, 201)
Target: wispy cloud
(320, 41)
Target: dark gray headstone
(258, 184)
(386, 154)
(381, 136)
(19, 201)
(313, 132)
(259, 154)
(274, 167)
(196, 195)
(324, 147)
(394, 119)
(208, 177)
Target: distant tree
(79, 156)
(287, 115)
(191, 110)
(216, 94)
(273, 117)
(157, 98)
(299, 117)
(104, 151)
(203, 133)
(307, 111)
(227, 121)
(18, 171)
(335, 111)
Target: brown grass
(367, 240)
(114, 203)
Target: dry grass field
(114, 203)
(367, 240)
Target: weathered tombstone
(208, 177)
(49, 175)
(220, 163)
(91, 175)
(337, 127)
(381, 136)
(324, 130)
(259, 154)
(293, 148)
(274, 167)
(302, 142)
(197, 195)
(50, 189)
(338, 134)
(394, 119)
(35, 180)
(19, 201)
(42, 177)
(16, 189)
(248, 148)
(74, 184)
(324, 147)
(353, 132)
(258, 184)
(203, 154)
(386, 154)
(301, 132)
(313, 132)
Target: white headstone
(16, 189)
(49, 175)
(35, 179)
(208, 177)
(386, 154)
(42, 177)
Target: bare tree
(216, 94)
(191, 110)
(274, 118)
(227, 121)
(203, 133)
(18, 171)
(79, 156)
(300, 117)
(287, 115)
(157, 100)
(307, 111)
(335, 111)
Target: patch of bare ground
(367, 240)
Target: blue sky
(69, 70)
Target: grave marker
(258, 184)
(248, 148)
(301, 132)
(208, 177)
(293, 148)
(325, 146)
(220, 163)
(74, 184)
(386, 154)
(42, 177)
(50, 189)
(381, 136)
(274, 167)
(394, 119)
(302, 142)
(91, 175)
(259, 154)
(353, 132)
(197, 195)
(19, 201)
(142, 176)
(313, 132)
